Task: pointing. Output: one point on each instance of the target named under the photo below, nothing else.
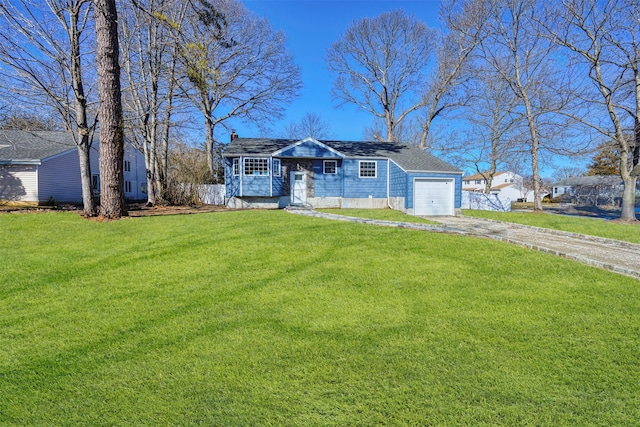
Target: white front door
(298, 188)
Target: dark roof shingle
(408, 157)
(32, 146)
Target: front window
(330, 167)
(127, 166)
(258, 166)
(367, 169)
(276, 167)
(236, 167)
(127, 186)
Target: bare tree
(149, 60)
(566, 172)
(514, 47)
(493, 135)
(310, 125)
(112, 204)
(464, 22)
(409, 131)
(26, 121)
(235, 66)
(44, 64)
(605, 38)
(380, 65)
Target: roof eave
(433, 171)
(21, 162)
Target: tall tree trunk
(83, 133)
(162, 158)
(112, 203)
(535, 168)
(88, 203)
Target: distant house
(41, 166)
(590, 190)
(506, 186)
(275, 173)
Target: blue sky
(311, 26)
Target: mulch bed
(135, 210)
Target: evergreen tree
(606, 161)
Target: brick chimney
(234, 135)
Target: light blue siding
(457, 182)
(327, 185)
(309, 149)
(231, 182)
(398, 181)
(356, 187)
(277, 182)
(256, 185)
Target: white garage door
(433, 197)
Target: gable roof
(309, 142)
(408, 157)
(479, 176)
(31, 147)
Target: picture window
(367, 169)
(259, 166)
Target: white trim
(440, 172)
(375, 162)
(302, 141)
(279, 167)
(324, 162)
(388, 177)
(395, 163)
(233, 166)
(241, 175)
(37, 168)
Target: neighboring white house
(506, 186)
(41, 166)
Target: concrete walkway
(608, 254)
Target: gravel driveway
(614, 255)
(608, 254)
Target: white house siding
(136, 176)
(508, 194)
(19, 183)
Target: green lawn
(266, 318)
(379, 214)
(575, 224)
